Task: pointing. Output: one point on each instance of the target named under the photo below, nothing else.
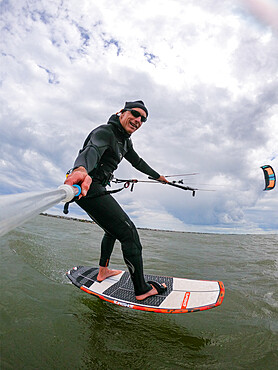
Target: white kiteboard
(182, 295)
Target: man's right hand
(80, 176)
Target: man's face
(131, 123)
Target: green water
(47, 323)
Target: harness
(107, 192)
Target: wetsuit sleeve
(95, 145)
(140, 165)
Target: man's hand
(80, 176)
(162, 179)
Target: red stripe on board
(185, 300)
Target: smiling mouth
(133, 125)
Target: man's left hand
(162, 179)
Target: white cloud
(206, 70)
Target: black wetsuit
(103, 150)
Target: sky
(207, 71)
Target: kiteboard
(181, 296)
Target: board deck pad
(182, 295)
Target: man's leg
(110, 216)
(107, 245)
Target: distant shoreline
(92, 222)
(160, 230)
(68, 218)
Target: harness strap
(126, 185)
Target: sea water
(47, 323)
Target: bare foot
(104, 273)
(151, 292)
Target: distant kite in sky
(269, 176)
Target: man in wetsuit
(103, 150)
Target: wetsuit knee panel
(129, 231)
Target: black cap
(136, 104)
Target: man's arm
(94, 147)
(142, 166)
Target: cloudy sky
(207, 71)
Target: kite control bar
(177, 185)
(152, 180)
